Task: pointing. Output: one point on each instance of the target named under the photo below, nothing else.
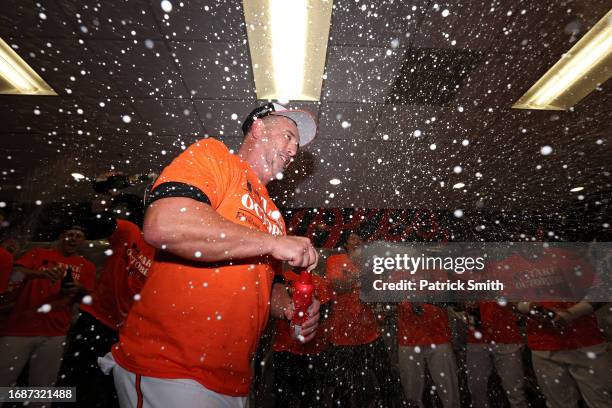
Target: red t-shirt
(201, 320)
(582, 332)
(25, 318)
(283, 340)
(422, 324)
(123, 276)
(352, 322)
(6, 266)
(554, 274)
(499, 324)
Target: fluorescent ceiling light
(585, 66)
(16, 76)
(288, 44)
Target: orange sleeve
(205, 165)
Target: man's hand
(562, 318)
(309, 327)
(297, 251)
(53, 273)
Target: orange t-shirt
(123, 276)
(25, 319)
(283, 340)
(352, 322)
(200, 320)
(422, 324)
(6, 266)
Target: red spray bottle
(303, 291)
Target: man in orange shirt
(190, 338)
(36, 328)
(354, 333)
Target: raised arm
(194, 230)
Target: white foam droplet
(87, 299)
(108, 252)
(458, 213)
(166, 6)
(417, 133)
(126, 118)
(433, 146)
(46, 308)
(546, 150)
(445, 13)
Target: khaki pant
(566, 375)
(43, 353)
(440, 360)
(507, 360)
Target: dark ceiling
(135, 86)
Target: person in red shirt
(299, 368)
(190, 339)
(354, 334)
(571, 357)
(495, 341)
(424, 340)
(35, 332)
(104, 313)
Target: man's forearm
(197, 232)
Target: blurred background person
(301, 369)
(571, 356)
(358, 350)
(424, 339)
(495, 342)
(119, 217)
(35, 331)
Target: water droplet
(166, 6)
(546, 150)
